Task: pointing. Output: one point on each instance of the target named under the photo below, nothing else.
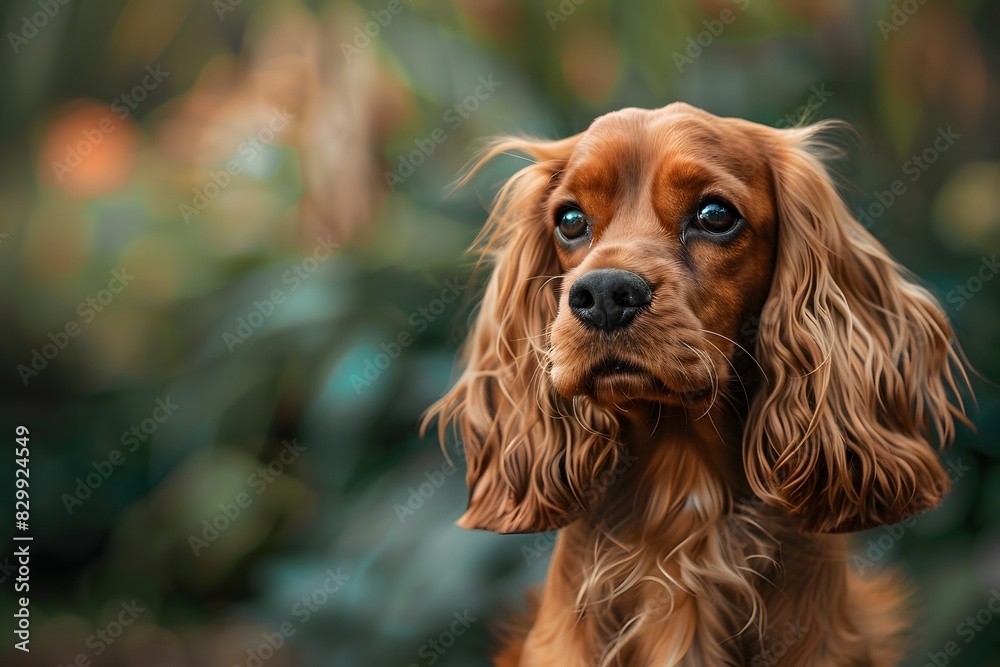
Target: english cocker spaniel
(693, 361)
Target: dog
(692, 361)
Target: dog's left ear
(861, 366)
(533, 457)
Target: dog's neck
(681, 461)
(679, 525)
(681, 563)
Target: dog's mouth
(622, 378)
(615, 365)
(627, 379)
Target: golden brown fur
(788, 384)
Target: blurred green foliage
(240, 315)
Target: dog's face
(664, 224)
(656, 258)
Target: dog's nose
(608, 299)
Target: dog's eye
(717, 217)
(572, 223)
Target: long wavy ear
(861, 366)
(531, 457)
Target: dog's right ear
(529, 454)
(864, 376)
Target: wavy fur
(701, 527)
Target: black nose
(608, 299)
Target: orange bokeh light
(88, 150)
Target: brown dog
(690, 291)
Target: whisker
(541, 276)
(735, 372)
(711, 373)
(542, 286)
(659, 413)
(747, 352)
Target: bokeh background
(215, 216)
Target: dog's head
(670, 257)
